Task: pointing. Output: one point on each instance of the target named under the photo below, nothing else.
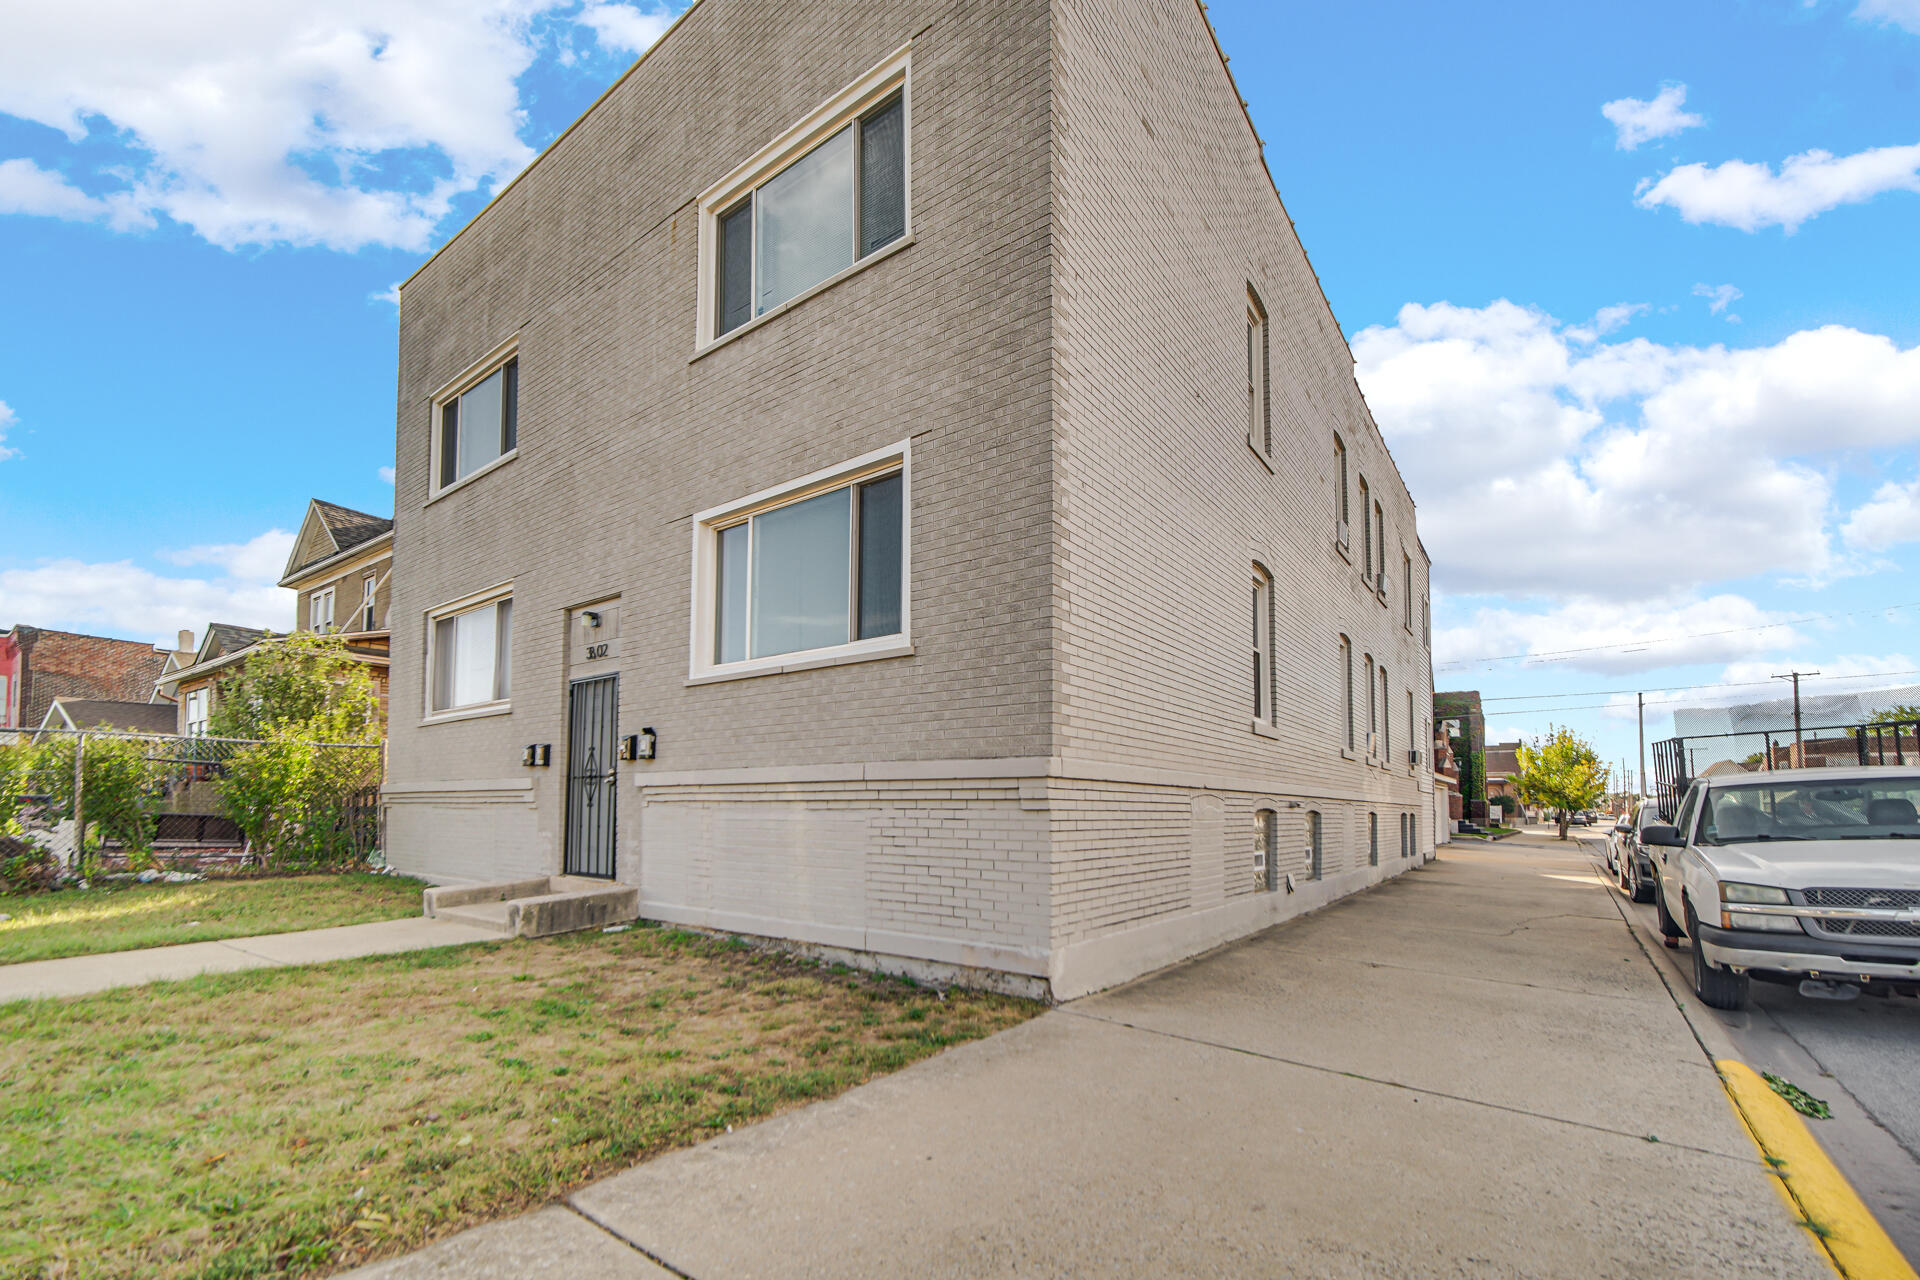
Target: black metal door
(593, 729)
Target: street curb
(1854, 1242)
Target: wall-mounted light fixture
(538, 755)
(592, 618)
(638, 746)
(1293, 804)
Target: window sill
(878, 255)
(1265, 730)
(471, 476)
(1347, 753)
(892, 647)
(1341, 548)
(1259, 453)
(468, 713)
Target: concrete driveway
(1472, 1071)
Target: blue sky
(1630, 286)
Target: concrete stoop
(535, 908)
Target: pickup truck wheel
(1717, 988)
(1669, 927)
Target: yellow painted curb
(1860, 1249)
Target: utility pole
(1799, 748)
(1641, 699)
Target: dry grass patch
(127, 916)
(297, 1121)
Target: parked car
(1808, 876)
(1629, 856)
(1581, 820)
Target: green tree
(118, 781)
(1904, 713)
(1561, 772)
(304, 685)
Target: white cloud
(1636, 120)
(123, 599)
(1614, 635)
(386, 475)
(260, 559)
(389, 295)
(1549, 465)
(1837, 675)
(1719, 298)
(1897, 13)
(347, 124)
(625, 27)
(1889, 518)
(6, 421)
(1752, 196)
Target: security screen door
(592, 776)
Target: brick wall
(61, 664)
(1062, 779)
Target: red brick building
(37, 666)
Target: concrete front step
(535, 908)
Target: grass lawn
(302, 1120)
(124, 916)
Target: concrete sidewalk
(1473, 1070)
(79, 975)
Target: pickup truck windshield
(1854, 809)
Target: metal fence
(1678, 761)
(290, 802)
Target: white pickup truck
(1808, 876)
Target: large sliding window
(839, 202)
(470, 655)
(820, 569)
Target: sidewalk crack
(632, 1244)
(1397, 1084)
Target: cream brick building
(923, 422)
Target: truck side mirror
(1661, 834)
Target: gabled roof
(224, 638)
(91, 713)
(330, 530)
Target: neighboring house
(192, 688)
(1446, 787)
(127, 717)
(340, 570)
(1503, 769)
(1464, 724)
(996, 547)
(37, 666)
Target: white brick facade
(1062, 778)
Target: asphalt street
(1860, 1057)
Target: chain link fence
(145, 798)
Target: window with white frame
(1346, 670)
(199, 711)
(1406, 572)
(1263, 677)
(1413, 730)
(1313, 844)
(369, 586)
(816, 568)
(478, 421)
(1266, 850)
(1340, 511)
(470, 653)
(1373, 839)
(1259, 417)
(829, 193)
(320, 610)
(1426, 622)
(1366, 534)
(1373, 709)
(1413, 835)
(1380, 544)
(1386, 717)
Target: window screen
(883, 177)
(736, 268)
(880, 537)
(804, 222)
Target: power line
(1679, 688)
(1560, 655)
